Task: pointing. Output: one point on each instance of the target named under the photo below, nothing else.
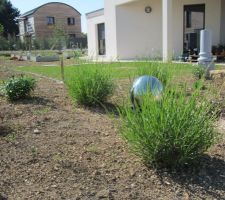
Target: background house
(153, 28)
(40, 22)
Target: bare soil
(50, 149)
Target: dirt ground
(50, 149)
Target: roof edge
(31, 12)
(95, 13)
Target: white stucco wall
(139, 34)
(222, 29)
(212, 21)
(131, 33)
(93, 35)
(110, 29)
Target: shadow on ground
(36, 101)
(5, 130)
(208, 177)
(105, 109)
(3, 197)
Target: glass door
(194, 22)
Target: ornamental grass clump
(170, 132)
(91, 85)
(16, 88)
(160, 71)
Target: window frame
(71, 21)
(48, 20)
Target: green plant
(11, 137)
(77, 53)
(1, 29)
(2, 88)
(199, 84)
(59, 36)
(19, 87)
(34, 152)
(91, 85)
(162, 72)
(199, 72)
(170, 132)
(41, 111)
(93, 149)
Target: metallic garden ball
(143, 85)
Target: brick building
(40, 22)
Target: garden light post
(61, 64)
(62, 68)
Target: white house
(129, 29)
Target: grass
(3, 58)
(120, 70)
(91, 85)
(172, 131)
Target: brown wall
(60, 12)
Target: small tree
(8, 15)
(59, 37)
(3, 42)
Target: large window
(194, 22)
(70, 20)
(50, 20)
(101, 39)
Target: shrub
(11, 43)
(199, 72)
(171, 132)
(19, 87)
(163, 73)
(91, 85)
(77, 53)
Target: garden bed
(52, 150)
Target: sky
(83, 6)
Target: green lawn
(119, 70)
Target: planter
(44, 58)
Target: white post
(167, 29)
(205, 55)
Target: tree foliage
(1, 29)
(8, 15)
(59, 36)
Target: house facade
(40, 22)
(131, 29)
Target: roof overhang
(121, 2)
(95, 13)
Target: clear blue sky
(83, 6)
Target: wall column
(167, 29)
(110, 30)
